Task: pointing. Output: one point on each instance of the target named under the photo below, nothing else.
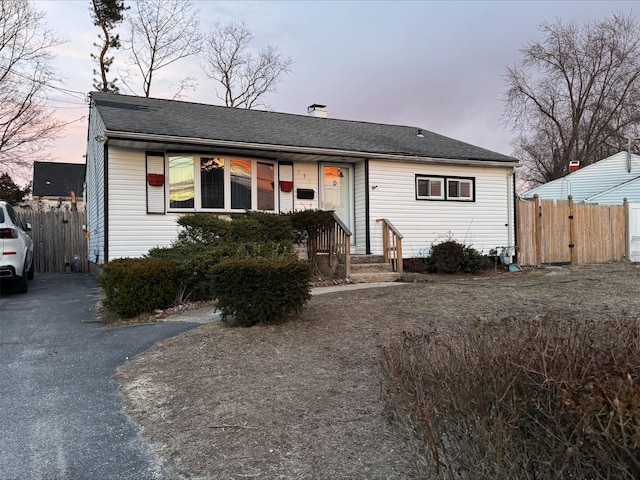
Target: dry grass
(302, 399)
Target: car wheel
(31, 271)
(22, 285)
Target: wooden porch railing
(337, 243)
(391, 245)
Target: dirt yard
(301, 400)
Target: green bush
(416, 265)
(137, 285)
(251, 291)
(203, 229)
(194, 261)
(447, 257)
(552, 397)
(308, 224)
(178, 253)
(253, 227)
(195, 272)
(451, 256)
(474, 261)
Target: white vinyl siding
(591, 180)
(481, 224)
(94, 193)
(616, 195)
(286, 198)
(155, 193)
(359, 234)
(133, 232)
(305, 176)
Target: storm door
(337, 191)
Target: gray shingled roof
(54, 179)
(122, 113)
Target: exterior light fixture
(419, 134)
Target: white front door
(337, 194)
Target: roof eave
(306, 150)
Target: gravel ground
(301, 400)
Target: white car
(16, 249)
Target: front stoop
(370, 269)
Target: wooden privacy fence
(560, 231)
(59, 243)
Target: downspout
(105, 207)
(366, 207)
(512, 231)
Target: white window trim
(430, 179)
(227, 183)
(444, 188)
(460, 182)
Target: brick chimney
(574, 165)
(317, 110)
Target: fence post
(572, 246)
(538, 227)
(627, 233)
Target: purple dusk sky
(430, 64)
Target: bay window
(210, 182)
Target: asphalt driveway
(61, 416)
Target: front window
(266, 186)
(220, 183)
(240, 184)
(212, 182)
(181, 186)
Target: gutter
(115, 135)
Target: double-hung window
(445, 188)
(208, 182)
(459, 189)
(429, 188)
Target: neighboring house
(150, 161)
(607, 182)
(56, 184)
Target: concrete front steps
(370, 269)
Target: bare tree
(106, 14)
(162, 32)
(245, 77)
(574, 95)
(26, 124)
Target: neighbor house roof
(53, 179)
(151, 117)
(613, 176)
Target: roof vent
(317, 110)
(574, 165)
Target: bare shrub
(529, 399)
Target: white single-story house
(149, 161)
(606, 182)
